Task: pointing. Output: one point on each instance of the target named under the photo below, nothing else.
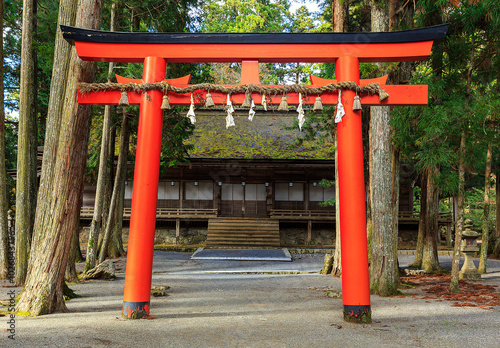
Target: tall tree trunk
(417, 263)
(395, 172)
(97, 222)
(384, 276)
(62, 57)
(497, 200)
(340, 17)
(74, 254)
(393, 11)
(483, 255)
(43, 292)
(459, 228)
(115, 248)
(368, 186)
(340, 20)
(116, 191)
(110, 174)
(337, 256)
(496, 252)
(401, 75)
(383, 265)
(430, 262)
(4, 203)
(27, 146)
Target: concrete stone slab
(242, 254)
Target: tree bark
(395, 175)
(483, 254)
(430, 262)
(383, 265)
(43, 292)
(27, 146)
(340, 20)
(369, 222)
(379, 15)
(497, 191)
(403, 73)
(97, 222)
(115, 248)
(459, 228)
(337, 256)
(496, 252)
(116, 191)
(4, 203)
(384, 276)
(62, 57)
(417, 263)
(74, 253)
(393, 10)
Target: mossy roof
(264, 137)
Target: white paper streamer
(229, 104)
(190, 114)
(251, 113)
(230, 111)
(300, 110)
(340, 109)
(229, 120)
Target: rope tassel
(123, 99)
(283, 105)
(165, 105)
(247, 103)
(318, 105)
(209, 102)
(264, 102)
(382, 95)
(356, 106)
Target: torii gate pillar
(145, 194)
(353, 238)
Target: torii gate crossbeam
(347, 50)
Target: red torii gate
(347, 50)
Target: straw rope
(371, 88)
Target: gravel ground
(246, 304)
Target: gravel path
(246, 304)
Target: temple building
(253, 184)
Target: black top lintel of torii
(432, 33)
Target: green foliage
(318, 128)
(462, 75)
(474, 208)
(260, 16)
(327, 183)
(245, 16)
(174, 149)
(10, 144)
(147, 16)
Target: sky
(311, 6)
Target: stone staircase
(243, 233)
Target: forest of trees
(453, 143)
